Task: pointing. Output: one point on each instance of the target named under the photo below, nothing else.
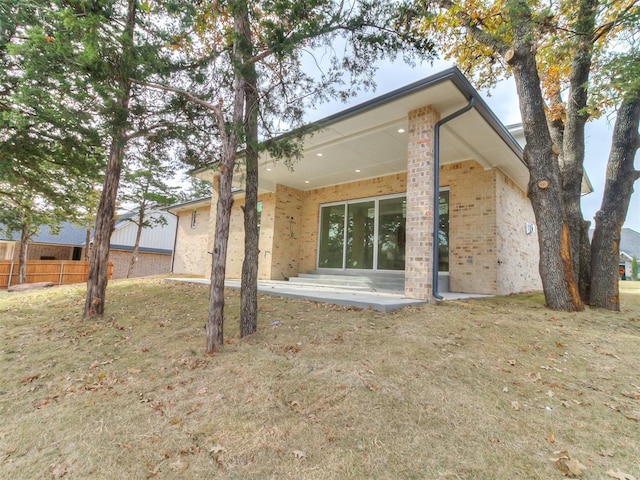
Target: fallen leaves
(299, 454)
(59, 470)
(620, 475)
(568, 466)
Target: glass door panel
(331, 237)
(443, 231)
(360, 235)
(391, 233)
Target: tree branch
(178, 91)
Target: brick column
(419, 221)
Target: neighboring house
(155, 253)
(629, 248)
(361, 199)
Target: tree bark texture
(249, 283)
(87, 244)
(545, 186)
(621, 175)
(215, 320)
(229, 133)
(22, 255)
(99, 258)
(572, 158)
(136, 245)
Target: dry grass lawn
(497, 388)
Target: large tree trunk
(249, 286)
(572, 158)
(99, 258)
(545, 186)
(22, 256)
(215, 320)
(229, 134)
(621, 175)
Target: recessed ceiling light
(268, 169)
(357, 170)
(318, 154)
(306, 181)
(401, 130)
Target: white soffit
(369, 144)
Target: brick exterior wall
(419, 226)
(489, 250)
(192, 243)
(148, 263)
(518, 252)
(287, 233)
(472, 227)
(35, 251)
(312, 200)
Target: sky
(503, 101)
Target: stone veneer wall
(192, 243)
(518, 252)
(472, 227)
(312, 199)
(419, 222)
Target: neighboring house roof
(154, 240)
(630, 242)
(369, 140)
(69, 234)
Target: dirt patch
(23, 287)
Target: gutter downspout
(175, 239)
(436, 189)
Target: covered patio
(380, 301)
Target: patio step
(391, 282)
(374, 282)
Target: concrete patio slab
(382, 302)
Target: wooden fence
(59, 272)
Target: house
(374, 183)
(155, 251)
(629, 248)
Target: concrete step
(378, 281)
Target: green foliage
(146, 181)
(48, 142)
(634, 268)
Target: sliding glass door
(370, 234)
(363, 235)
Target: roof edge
(452, 74)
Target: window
(443, 231)
(259, 215)
(194, 218)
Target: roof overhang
(191, 205)
(370, 140)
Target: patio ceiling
(370, 140)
